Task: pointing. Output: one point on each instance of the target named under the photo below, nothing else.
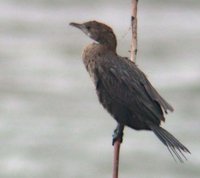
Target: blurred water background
(51, 123)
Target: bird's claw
(117, 135)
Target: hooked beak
(81, 27)
(77, 25)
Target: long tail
(175, 147)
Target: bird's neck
(95, 52)
(109, 41)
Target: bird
(124, 90)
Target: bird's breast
(91, 54)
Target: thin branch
(116, 158)
(133, 58)
(134, 30)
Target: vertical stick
(134, 30)
(116, 158)
(133, 58)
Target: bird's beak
(77, 25)
(81, 27)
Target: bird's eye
(88, 27)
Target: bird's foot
(118, 134)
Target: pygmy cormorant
(123, 89)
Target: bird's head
(99, 32)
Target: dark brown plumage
(123, 89)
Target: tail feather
(175, 147)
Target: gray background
(51, 123)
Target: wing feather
(126, 84)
